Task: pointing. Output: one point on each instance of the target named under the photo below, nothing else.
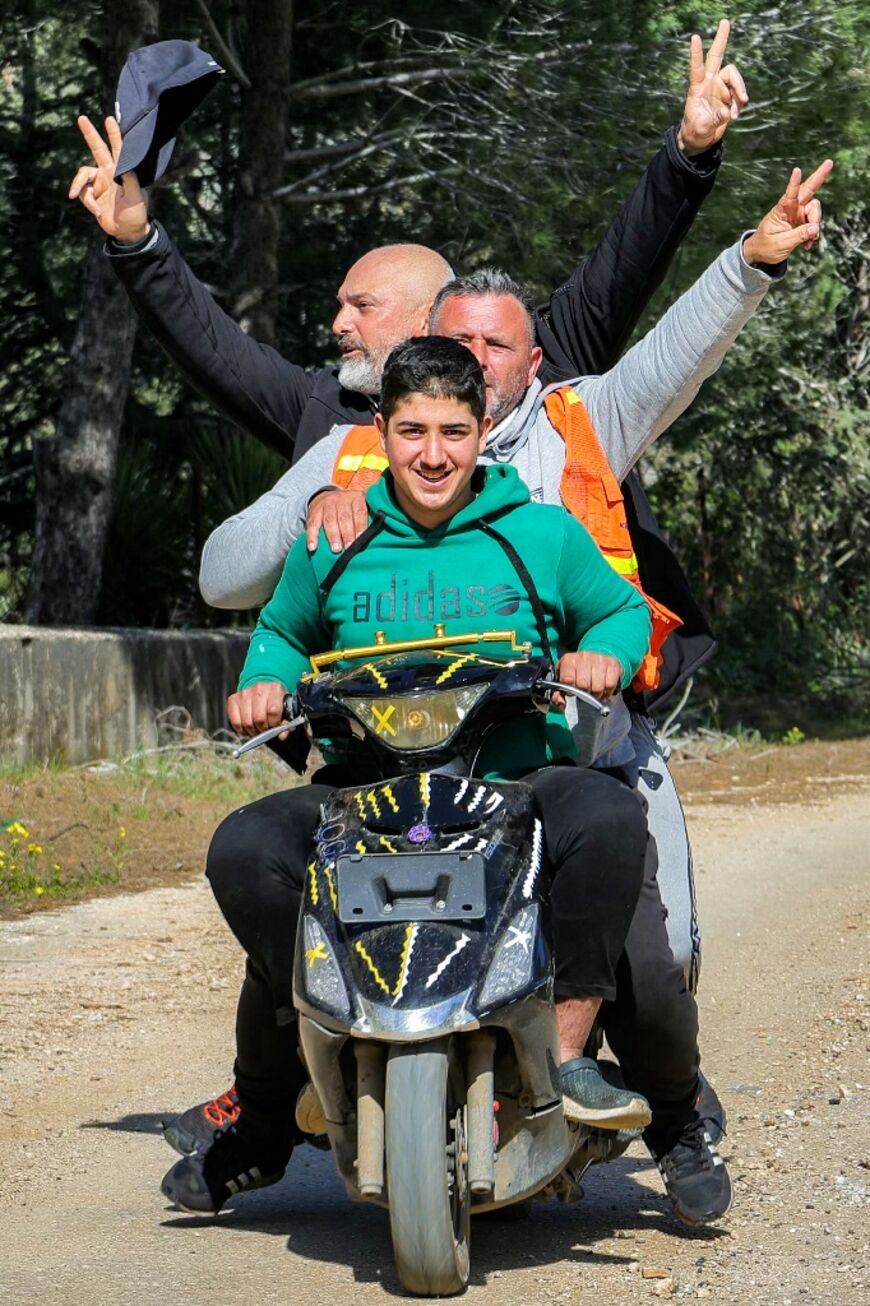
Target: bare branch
(337, 150)
(397, 64)
(223, 49)
(342, 149)
(378, 145)
(391, 81)
(351, 193)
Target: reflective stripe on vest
(350, 462)
(360, 460)
(589, 490)
(592, 494)
(625, 566)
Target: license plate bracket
(419, 886)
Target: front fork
(479, 1048)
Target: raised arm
(251, 383)
(659, 377)
(587, 322)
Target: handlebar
(267, 735)
(294, 718)
(601, 708)
(291, 712)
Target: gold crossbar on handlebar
(440, 640)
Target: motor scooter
(423, 975)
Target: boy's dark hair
(436, 366)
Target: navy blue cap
(160, 85)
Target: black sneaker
(695, 1176)
(588, 1098)
(195, 1128)
(235, 1162)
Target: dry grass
(117, 827)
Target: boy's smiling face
(433, 446)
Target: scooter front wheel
(427, 1183)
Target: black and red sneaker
(709, 1109)
(195, 1127)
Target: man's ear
(485, 428)
(534, 363)
(382, 429)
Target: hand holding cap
(159, 87)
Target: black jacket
(582, 330)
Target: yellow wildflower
(35, 849)
(55, 866)
(122, 833)
(17, 828)
(39, 891)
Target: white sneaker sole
(634, 1115)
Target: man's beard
(362, 374)
(501, 403)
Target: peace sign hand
(716, 95)
(794, 220)
(121, 210)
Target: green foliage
(542, 116)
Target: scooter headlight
(324, 985)
(511, 967)
(420, 721)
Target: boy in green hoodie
(436, 521)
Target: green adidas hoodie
(408, 578)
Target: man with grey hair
(509, 383)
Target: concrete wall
(84, 694)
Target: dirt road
(119, 1011)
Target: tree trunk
(267, 28)
(75, 469)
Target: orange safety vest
(588, 489)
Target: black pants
(652, 1024)
(599, 853)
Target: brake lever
(601, 708)
(267, 735)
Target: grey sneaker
(195, 1128)
(588, 1098)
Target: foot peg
(309, 1113)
